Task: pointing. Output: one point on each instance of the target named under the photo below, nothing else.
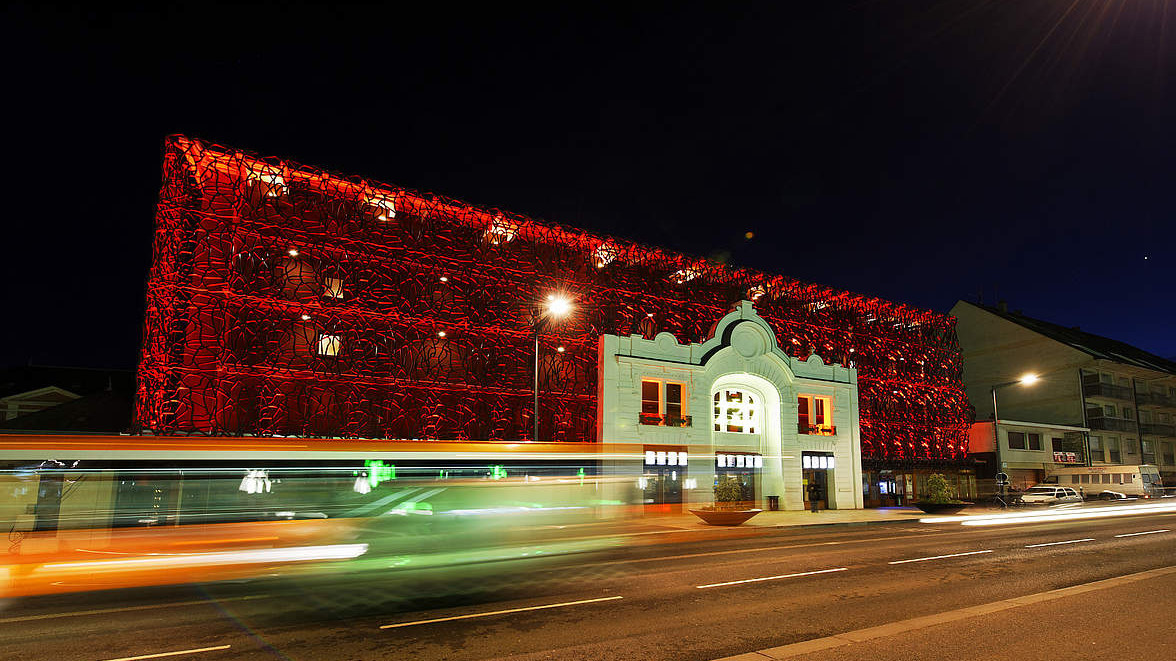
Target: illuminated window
(604, 255)
(663, 403)
(384, 206)
(501, 231)
(814, 415)
(333, 288)
(736, 411)
(329, 345)
(271, 181)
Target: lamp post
(1027, 380)
(556, 306)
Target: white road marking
(772, 578)
(103, 611)
(937, 557)
(177, 653)
(1149, 532)
(1068, 541)
(503, 612)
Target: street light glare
(1028, 379)
(558, 306)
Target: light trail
(177, 653)
(293, 554)
(938, 557)
(1055, 515)
(1068, 541)
(502, 612)
(772, 578)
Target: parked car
(1107, 494)
(1050, 495)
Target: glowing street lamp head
(558, 305)
(1029, 379)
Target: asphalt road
(702, 600)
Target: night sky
(919, 151)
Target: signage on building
(1065, 457)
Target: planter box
(724, 517)
(942, 508)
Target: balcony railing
(1155, 399)
(816, 430)
(1157, 429)
(659, 420)
(1111, 424)
(1107, 390)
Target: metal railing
(1155, 399)
(1111, 390)
(1111, 424)
(667, 420)
(816, 430)
(1157, 429)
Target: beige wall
(996, 351)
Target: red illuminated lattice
(285, 300)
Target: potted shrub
(940, 498)
(729, 508)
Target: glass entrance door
(815, 467)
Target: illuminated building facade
(288, 301)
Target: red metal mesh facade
(285, 300)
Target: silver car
(1048, 495)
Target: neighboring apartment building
(288, 301)
(1121, 399)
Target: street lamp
(556, 306)
(1026, 380)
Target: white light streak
(1055, 515)
(252, 556)
(772, 578)
(938, 557)
(1068, 541)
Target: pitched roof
(1088, 343)
(77, 380)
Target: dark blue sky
(919, 151)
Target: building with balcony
(284, 300)
(1121, 398)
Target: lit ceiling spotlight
(444, 279)
(306, 317)
(558, 306)
(293, 252)
(649, 314)
(559, 349)
(1029, 379)
(440, 333)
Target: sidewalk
(1127, 617)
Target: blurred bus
(90, 512)
(1141, 481)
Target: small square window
(333, 288)
(1016, 440)
(329, 345)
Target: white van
(1142, 481)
